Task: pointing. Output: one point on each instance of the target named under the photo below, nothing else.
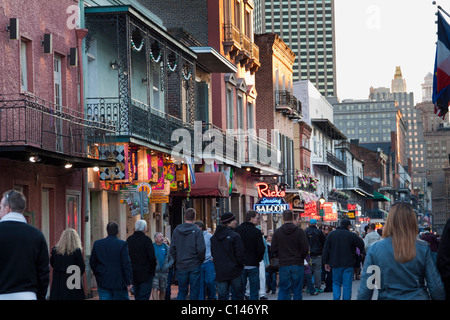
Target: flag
(441, 77)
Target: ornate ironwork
(131, 117)
(28, 120)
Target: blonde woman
(400, 265)
(68, 266)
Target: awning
(213, 61)
(209, 184)
(329, 129)
(379, 197)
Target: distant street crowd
(235, 262)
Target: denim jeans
(189, 281)
(108, 294)
(223, 289)
(342, 277)
(309, 283)
(316, 266)
(253, 278)
(291, 282)
(271, 280)
(142, 290)
(169, 284)
(208, 281)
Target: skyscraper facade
(436, 134)
(307, 26)
(415, 142)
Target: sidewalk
(270, 296)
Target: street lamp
(321, 202)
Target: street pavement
(323, 295)
(270, 296)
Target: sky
(375, 36)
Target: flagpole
(440, 8)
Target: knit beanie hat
(227, 217)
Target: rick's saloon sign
(270, 201)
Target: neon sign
(263, 191)
(270, 201)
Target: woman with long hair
(400, 265)
(68, 267)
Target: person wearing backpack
(316, 240)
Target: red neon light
(263, 191)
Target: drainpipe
(80, 34)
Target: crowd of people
(235, 262)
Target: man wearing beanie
(228, 253)
(254, 251)
(338, 254)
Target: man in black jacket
(227, 250)
(316, 240)
(24, 259)
(143, 261)
(290, 244)
(254, 251)
(111, 265)
(339, 254)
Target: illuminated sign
(330, 209)
(263, 191)
(270, 201)
(271, 205)
(144, 186)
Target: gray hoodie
(187, 246)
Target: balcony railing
(27, 120)
(376, 214)
(257, 152)
(336, 162)
(287, 103)
(138, 120)
(355, 183)
(219, 144)
(231, 39)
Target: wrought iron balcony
(220, 145)
(258, 152)
(30, 125)
(336, 162)
(350, 183)
(376, 214)
(287, 104)
(139, 121)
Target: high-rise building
(378, 125)
(436, 134)
(414, 141)
(307, 27)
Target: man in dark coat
(111, 265)
(290, 244)
(228, 254)
(24, 259)
(254, 251)
(316, 240)
(339, 254)
(143, 261)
